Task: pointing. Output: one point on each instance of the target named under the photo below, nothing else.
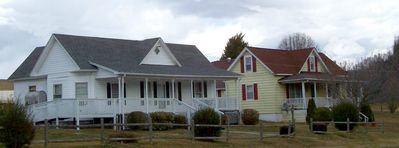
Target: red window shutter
(219, 93)
(308, 65)
(253, 64)
(242, 64)
(255, 91)
(315, 63)
(244, 93)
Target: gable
(320, 66)
(160, 55)
(235, 66)
(55, 59)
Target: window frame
(57, 96)
(87, 90)
(247, 92)
(113, 91)
(246, 62)
(312, 62)
(30, 88)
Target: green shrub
(322, 114)
(310, 110)
(345, 110)
(250, 117)
(161, 117)
(17, 124)
(365, 108)
(207, 116)
(137, 117)
(180, 119)
(127, 137)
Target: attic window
(312, 64)
(157, 50)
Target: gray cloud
(347, 30)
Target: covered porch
(301, 88)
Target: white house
(79, 77)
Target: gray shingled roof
(125, 56)
(26, 67)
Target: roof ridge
(108, 38)
(280, 49)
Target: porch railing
(301, 103)
(221, 103)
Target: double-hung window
(32, 88)
(81, 90)
(250, 92)
(248, 63)
(312, 64)
(57, 93)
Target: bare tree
(297, 41)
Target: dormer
(314, 63)
(160, 54)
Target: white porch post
(328, 99)
(173, 95)
(315, 93)
(123, 100)
(146, 94)
(77, 114)
(192, 92)
(304, 95)
(214, 95)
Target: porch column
(173, 95)
(192, 92)
(146, 94)
(215, 95)
(119, 102)
(77, 118)
(123, 100)
(304, 95)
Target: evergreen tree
(234, 46)
(310, 110)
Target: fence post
(228, 130)
(382, 126)
(192, 131)
(150, 131)
(45, 133)
(347, 125)
(311, 124)
(261, 131)
(102, 131)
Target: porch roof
(312, 76)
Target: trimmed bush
(137, 117)
(310, 110)
(17, 124)
(180, 119)
(161, 117)
(345, 110)
(207, 116)
(321, 114)
(250, 117)
(365, 108)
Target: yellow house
(274, 79)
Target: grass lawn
(243, 137)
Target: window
(57, 91)
(295, 91)
(312, 64)
(250, 92)
(200, 89)
(114, 90)
(248, 64)
(32, 88)
(81, 90)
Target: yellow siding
(270, 92)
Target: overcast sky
(346, 30)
